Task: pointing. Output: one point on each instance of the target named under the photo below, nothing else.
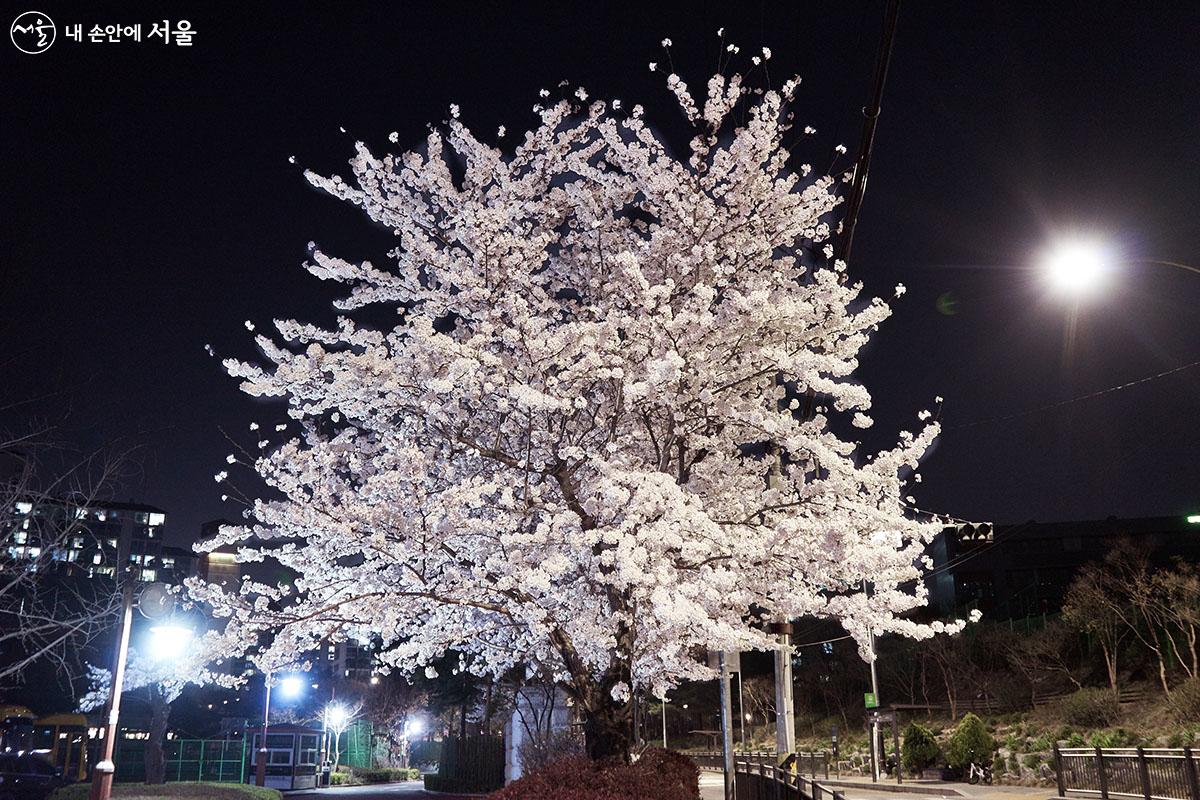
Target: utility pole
(785, 712)
(867, 143)
(726, 726)
(742, 710)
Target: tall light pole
(290, 687)
(102, 775)
(260, 755)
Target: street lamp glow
(1077, 266)
(413, 727)
(1194, 519)
(291, 687)
(167, 641)
(335, 715)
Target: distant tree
(1176, 595)
(1094, 606)
(1044, 655)
(337, 719)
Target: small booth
(292, 752)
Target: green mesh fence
(357, 749)
(219, 760)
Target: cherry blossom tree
(581, 448)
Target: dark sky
(149, 208)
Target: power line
(1062, 403)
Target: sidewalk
(712, 788)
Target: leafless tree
(1093, 608)
(48, 612)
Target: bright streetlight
(167, 641)
(1080, 265)
(1077, 266)
(291, 687)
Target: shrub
(658, 774)
(1185, 701)
(385, 774)
(1090, 708)
(970, 742)
(539, 752)
(920, 749)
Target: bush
(539, 752)
(384, 774)
(1185, 701)
(970, 742)
(1090, 708)
(196, 791)
(920, 750)
(659, 774)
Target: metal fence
(806, 763)
(758, 781)
(1148, 773)
(220, 760)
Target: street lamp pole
(260, 766)
(664, 710)
(102, 776)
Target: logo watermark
(33, 32)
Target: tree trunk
(606, 730)
(160, 715)
(1110, 663)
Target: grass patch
(138, 791)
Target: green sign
(869, 700)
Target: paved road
(409, 790)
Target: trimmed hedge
(659, 774)
(199, 791)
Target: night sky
(149, 208)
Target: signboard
(869, 700)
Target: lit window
(149, 575)
(24, 507)
(97, 558)
(73, 556)
(168, 562)
(34, 552)
(157, 519)
(112, 542)
(77, 543)
(20, 537)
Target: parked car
(27, 776)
